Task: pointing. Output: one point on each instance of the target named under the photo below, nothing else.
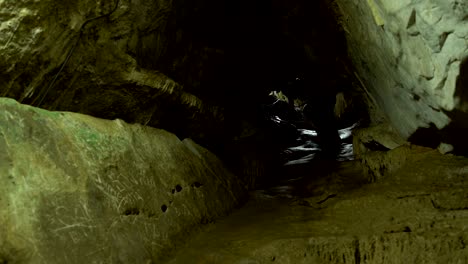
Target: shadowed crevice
(456, 131)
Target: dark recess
(426, 136)
(132, 211)
(196, 185)
(455, 133)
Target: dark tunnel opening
(259, 47)
(294, 134)
(284, 80)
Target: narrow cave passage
(303, 132)
(291, 93)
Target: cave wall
(143, 62)
(116, 58)
(411, 56)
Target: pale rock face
(77, 189)
(409, 55)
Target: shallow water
(308, 147)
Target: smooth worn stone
(78, 189)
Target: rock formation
(411, 57)
(80, 189)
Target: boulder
(78, 189)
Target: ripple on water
(308, 148)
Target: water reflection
(304, 142)
(308, 147)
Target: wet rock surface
(78, 189)
(414, 214)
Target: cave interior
(229, 131)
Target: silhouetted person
(319, 112)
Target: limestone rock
(445, 148)
(77, 189)
(411, 55)
(378, 164)
(374, 138)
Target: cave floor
(418, 214)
